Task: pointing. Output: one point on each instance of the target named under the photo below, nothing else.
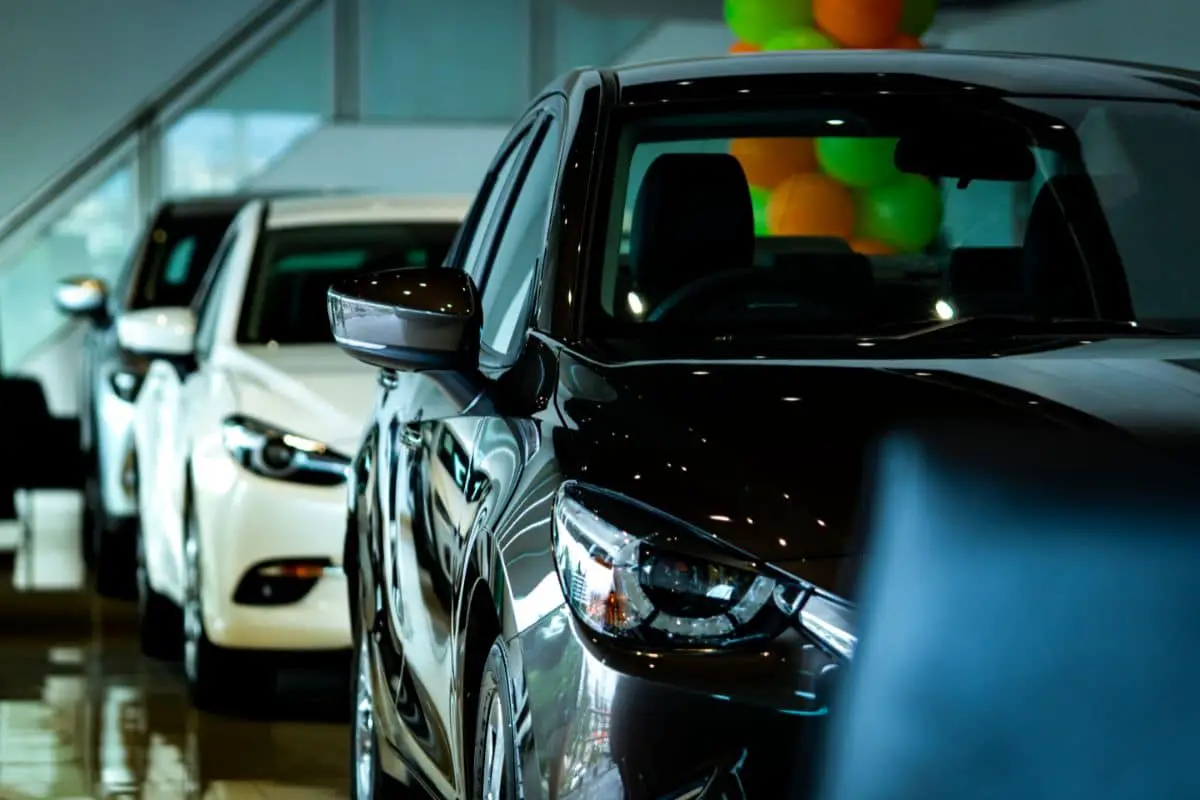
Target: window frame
(205, 306)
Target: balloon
(811, 205)
(905, 213)
(905, 42)
(870, 247)
(756, 21)
(859, 23)
(760, 198)
(769, 162)
(918, 16)
(858, 162)
(738, 48)
(800, 39)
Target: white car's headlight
(635, 574)
(273, 453)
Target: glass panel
(257, 116)
(466, 60)
(93, 238)
(584, 38)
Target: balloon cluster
(842, 187)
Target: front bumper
(249, 526)
(627, 727)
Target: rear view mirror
(408, 319)
(965, 156)
(81, 296)
(158, 331)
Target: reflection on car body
(631, 475)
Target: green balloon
(905, 213)
(756, 21)
(759, 198)
(918, 16)
(800, 39)
(858, 162)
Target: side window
(206, 309)
(520, 245)
(473, 260)
(179, 262)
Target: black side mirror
(408, 319)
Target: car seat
(692, 218)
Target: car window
(285, 299)
(179, 248)
(520, 246)
(206, 303)
(844, 232)
(487, 204)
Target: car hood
(770, 454)
(311, 390)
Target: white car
(244, 427)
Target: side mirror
(81, 296)
(408, 319)
(158, 331)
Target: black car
(605, 525)
(165, 269)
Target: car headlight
(126, 383)
(273, 453)
(633, 573)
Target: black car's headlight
(636, 574)
(273, 453)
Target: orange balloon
(769, 162)
(744, 47)
(860, 23)
(870, 247)
(905, 42)
(811, 204)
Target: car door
(161, 425)
(431, 439)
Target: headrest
(984, 270)
(1054, 264)
(692, 218)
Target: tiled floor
(83, 714)
(93, 719)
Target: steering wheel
(711, 290)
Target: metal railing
(137, 136)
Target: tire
(116, 564)
(218, 679)
(158, 619)
(91, 514)
(368, 781)
(494, 775)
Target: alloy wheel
(495, 750)
(193, 623)
(143, 578)
(364, 727)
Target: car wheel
(218, 679)
(158, 620)
(367, 778)
(116, 560)
(495, 751)
(91, 515)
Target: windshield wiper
(1001, 326)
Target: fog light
(276, 583)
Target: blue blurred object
(1032, 624)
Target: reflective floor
(83, 714)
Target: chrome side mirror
(81, 296)
(408, 319)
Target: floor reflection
(92, 718)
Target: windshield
(882, 215)
(285, 299)
(178, 251)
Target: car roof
(306, 211)
(904, 71)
